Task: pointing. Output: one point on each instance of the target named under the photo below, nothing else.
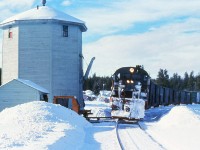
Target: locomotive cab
(130, 79)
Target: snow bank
(98, 108)
(88, 92)
(88, 95)
(41, 125)
(105, 93)
(179, 129)
(136, 106)
(104, 96)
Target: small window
(65, 31)
(10, 34)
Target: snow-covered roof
(33, 85)
(44, 12)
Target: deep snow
(179, 129)
(41, 125)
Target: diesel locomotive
(129, 91)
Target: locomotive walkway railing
(159, 95)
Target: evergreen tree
(197, 83)
(96, 84)
(188, 82)
(191, 82)
(176, 82)
(163, 78)
(96, 87)
(185, 81)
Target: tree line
(96, 84)
(188, 82)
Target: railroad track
(118, 137)
(131, 136)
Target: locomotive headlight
(131, 70)
(132, 81)
(127, 81)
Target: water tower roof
(44, 12)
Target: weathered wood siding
(46, 57)
(10, 55)
(14, 93)
(66, 61)
(35, 46)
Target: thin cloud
(121, 15)
(11, 7)
(14, 4)
(166, 47)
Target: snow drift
(41, 125)
(178, 129)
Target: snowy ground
(40, 125)
(173, 127)
(178, 129)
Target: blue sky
(155, 33)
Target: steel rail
(138, 123)
(118, 137)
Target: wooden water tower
(44, 45)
